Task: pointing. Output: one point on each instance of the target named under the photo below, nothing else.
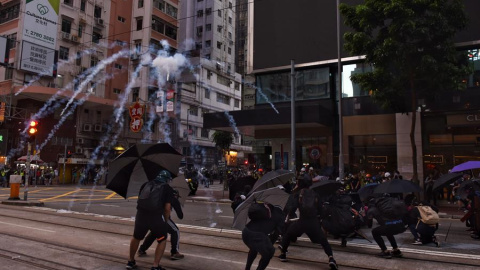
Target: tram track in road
(301, 253)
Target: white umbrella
(275, 196)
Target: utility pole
(27, 171)
(292, 105)
(340, 119)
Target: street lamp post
(340, 120)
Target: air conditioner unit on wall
(98, 128)
(74, 38)
(87, 127)
(99, 21)
(65, 35)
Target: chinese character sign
(136, 112)
(170, 100)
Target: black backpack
(150, 198)
(308, 203)
(391, 208)
(338, 220)
(259, 211)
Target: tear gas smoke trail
(146, 61)
(92, 191)
(90, 77)
(167, 66)
(233, 124)
(165, 129)
(147, 135)
(264, 96)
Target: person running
(256, 235)
(307, 201)
(389, 212)
(172, 230)
(153, 210)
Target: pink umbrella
(34, 158)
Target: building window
(208, 11)
(473, 79)
(135, 93)
(236, 103)
(237, 86)
(172, 11)
(140, 3)
(66, 26)
(229, 50)
(219, 28)
(207, 56)
(208, 43)
(199, 30)
(122, 19)
(9, 13)
(78, 59)
(139, 24)
(230, 20)
(96, 37)
(68, 2)
(219, 45)
(93, 61)
(171, 31)
(204, 133)
(80, 30)
(118, 66)
(97, 13)
(223, 80)
(63, 53)
(159, 4)
(138, 46)
(230, 4)
(208, 27)
(207, 93)
(8, 73)
(193, 111)
(83, 5)
(158, 25)
(219, 12)
(198, 45)
(117, 91)
(12, 41)
(200, 13)
(223, 99)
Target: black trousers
(257, 242)
(174, 240)
(389, 231)
(312, 228)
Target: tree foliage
(222, 139)
(410, 45)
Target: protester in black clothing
(390, 221)
(256, 236)
(154, 221)
(423, 233)
(310, 225)
(172, 230)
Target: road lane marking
(33, 228)
(110, 205)
(226, 216)
(227, 261)
(60, 196)
(111, 195)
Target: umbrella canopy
(446, 179)
(139, 164)
(275, 196)
(469, 165)
(367, 191)
(273, 179)
(468, 186)
(326, 187)
(180, 184)
(397, 186)
(33, 158)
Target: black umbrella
(468, 186)
(367, 191)
(238, 185)
(273, 179)
(397, 186)
(446, 179)
(326, 187)
(139, 164)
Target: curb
(208, 199)
(22, 203)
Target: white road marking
(33, 228)
(110, 205)
(226, 216)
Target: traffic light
(32, 130)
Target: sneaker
(131, 265)
(332, 263)
(396, 253)
(141, 253)
(385, 255)
(435, 241)
(417, 242)
(283, 257)
(157, 268)
(281, 249)
(176, 256)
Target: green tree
(223, 140)
(409, 44)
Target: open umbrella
(469, 165)
(273, 179)
(446, 179)
(326, 187)
(238, 185)
(180, 184)
(397, 186)
(274, 196)
(367, 191)
(139, 164)
(468, 186)
(34, 159)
